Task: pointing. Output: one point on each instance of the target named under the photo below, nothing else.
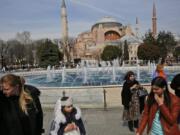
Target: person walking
(160, 71)
(175, 84)
(19, 114)
(131, 101)
(67, 119)
(161, 110)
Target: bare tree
(17, 52)
(68, 49)
(3, 52)
(24, 37)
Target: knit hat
(66, 101)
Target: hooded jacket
(13, 121)
(61, 120)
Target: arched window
(112, 35)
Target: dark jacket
(15, 122)
(168, 118)
(175, 85)
(35, 93)
(126, 92)
(62, 120)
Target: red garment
(168, 119)
(162, 74)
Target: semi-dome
(131, 39)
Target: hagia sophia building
(107, 31)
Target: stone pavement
(97, 121)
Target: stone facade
(90, 44)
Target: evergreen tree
(176, 53)
(111, 52)
(126, 51)
(149, 39)
(148, 52)
(49, 54)
(166, 43)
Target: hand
(74, 126)
(159, 99)
(137, 133)
(134, 86)
(69, 127)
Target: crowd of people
(159, 111)
(21, 112)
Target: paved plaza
(97, 121)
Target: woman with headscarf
(133, 104)
(67, 119)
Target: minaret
(154, 21)
(137, 27)
(64, 27)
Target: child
(67, 119)
(160, 72)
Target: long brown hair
(160, 82)
(24, 97)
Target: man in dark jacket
(175, 85)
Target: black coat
(126, 95)
(126, 92)
(15, 122)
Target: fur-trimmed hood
(60, 118)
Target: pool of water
(89, 78)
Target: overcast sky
(42, 17)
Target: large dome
(107, 19)
(107, 22)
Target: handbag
(142, 92)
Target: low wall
(85, 97)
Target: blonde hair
(159, 67)
(24, 97)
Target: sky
(42, 17)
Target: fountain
(48, 74)
(153, 68)
(77, 69)
(63, 74)
(53, 72)
(114, 73)
(85, 75)
(95, 76)
(138, 70)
